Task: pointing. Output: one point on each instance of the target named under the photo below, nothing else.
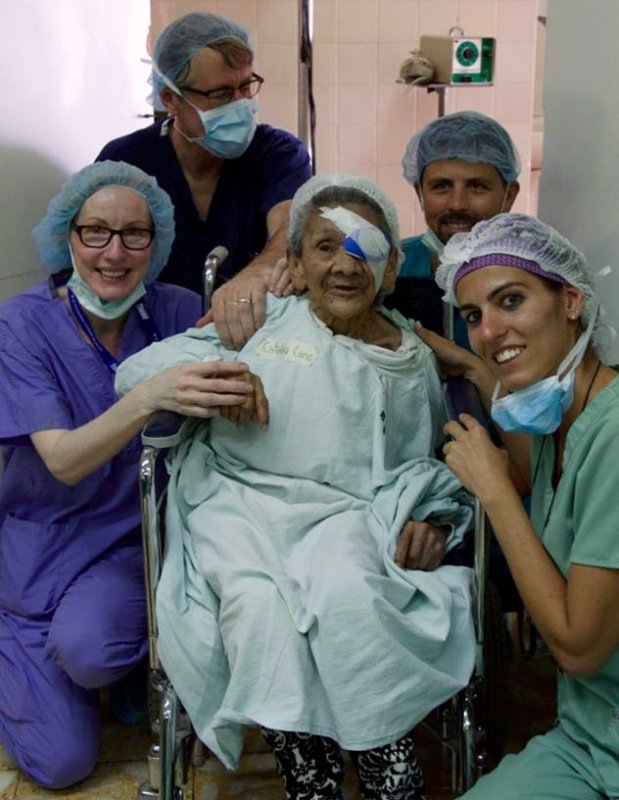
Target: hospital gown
(279, 602)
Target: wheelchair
(461, 724)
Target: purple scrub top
(50, 378)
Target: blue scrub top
(270, 171)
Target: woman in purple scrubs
(72, 607)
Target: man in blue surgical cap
(230, 179)
(464, 168)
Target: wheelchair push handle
(211, 264)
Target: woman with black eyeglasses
(72, 606)
(231, 179)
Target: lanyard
(146, 321)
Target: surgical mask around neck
(362, 240)
(228, 129)
(432, 242)
(539, 408)
(104, 309)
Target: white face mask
(432, 242)
(539, 408)
(104, 309)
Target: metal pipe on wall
(306, 107)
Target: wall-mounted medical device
(460, 59)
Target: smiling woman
(528, 300)
(72, 606)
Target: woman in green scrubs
(526, 295)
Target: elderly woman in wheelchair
(301, 588)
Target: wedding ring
(244, 300)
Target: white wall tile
(277, 106)
(392, 141)
(277, 21)
(357, 105)
(398, 21)
(517, 20)
(389, 178)
(325, 64)
(475, 98)
(243, 11)
(357, 144)
(478, 17)
(390, 59)
(358, 21)
(515, 62)
(365, 168)
(436, 17)
(325, 22)
(514, 102)
(326, 101)
(357, 63)
(397, 104)
(277, 62)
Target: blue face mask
(539, 408)
(228, 130)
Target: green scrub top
(579, 524)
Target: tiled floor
(122, 766)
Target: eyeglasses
(98, 236)
(226, 94)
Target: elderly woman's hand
(421, 545)
(281, 281)
(254, 408)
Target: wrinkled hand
(421, 545)
(238, 307)
(481, 467)
(199, 390)
(254, 408)
(281, 282)
(454, 360)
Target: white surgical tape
(363, 240)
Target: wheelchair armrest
(165, 429)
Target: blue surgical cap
(181, 39)
(468, 135)
(51, 235)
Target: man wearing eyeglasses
(231, 180)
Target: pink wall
(365, 118)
